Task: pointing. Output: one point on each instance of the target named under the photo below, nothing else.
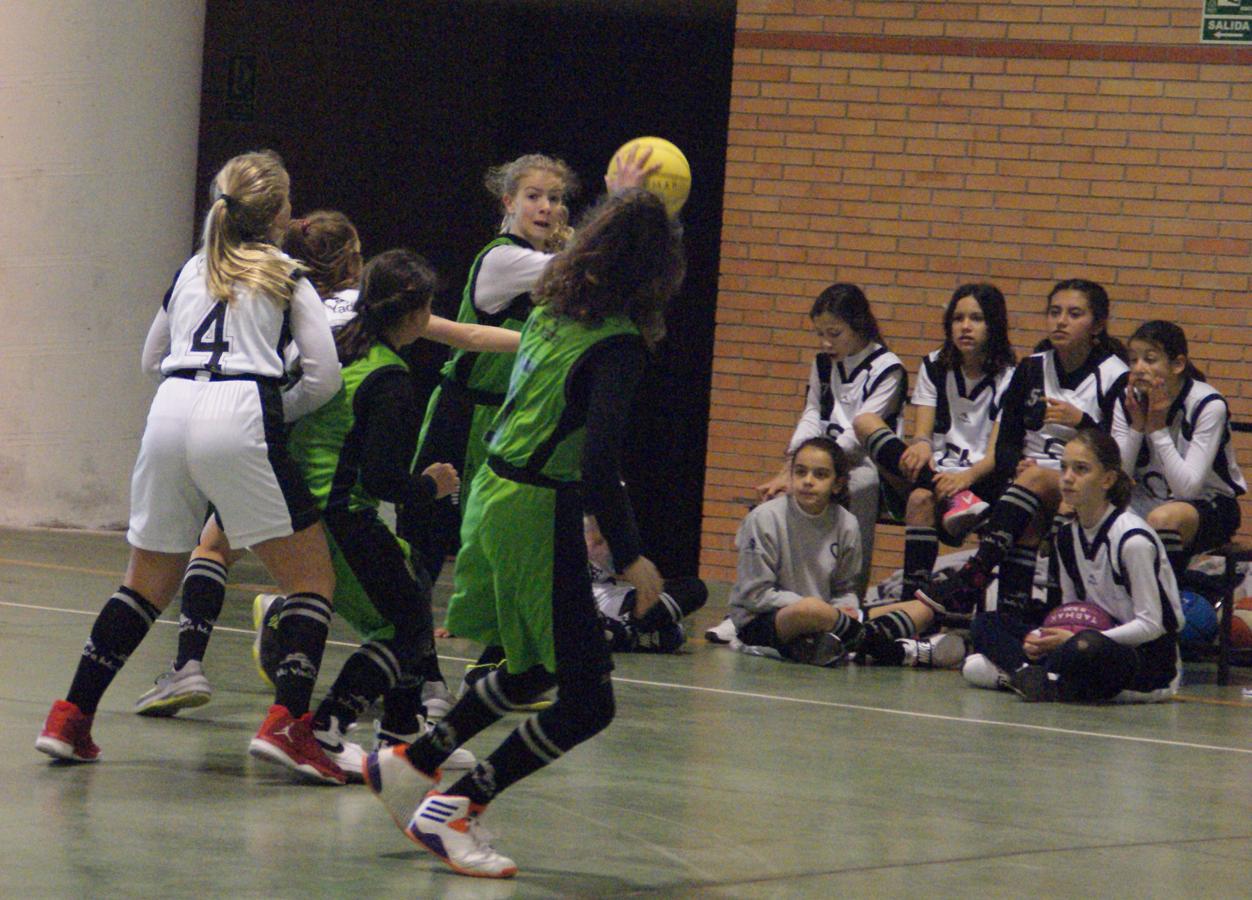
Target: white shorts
(221, 443)
(610, 597)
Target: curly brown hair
(626, 259)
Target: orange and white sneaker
(396, 782)
(448, 827)
(67, 734)
(288, 741)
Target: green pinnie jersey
(486, 371)
(534, 429)
(327, 445)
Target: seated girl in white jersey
(660, 629)
(948, 471)
(1072, 381)
(855, 373)
(1109, 557)
(796, 596)
(215, 435)
(1174, 432)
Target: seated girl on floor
(795, 595)
(660, 629)
(1109, 560)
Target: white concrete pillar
(99, 117)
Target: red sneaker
(288, 741)
(67, 734)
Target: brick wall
(909, 147)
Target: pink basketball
(1078, 617)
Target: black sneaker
(1033, 685)
(819, 649)
(955, 595)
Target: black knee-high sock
(1174, 552)
(204, 592)
(118, 630)
(1017, 580)
(847, 629)
(882, 632)
(885, 449)
(487, 700)
(681, 597)
(402, 705)
(428, 668)
(1010, 517)
(369, 672)
(302, 628)
(580, 712)
(921, 549)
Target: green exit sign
(1227, 21)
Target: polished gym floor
(723, 776)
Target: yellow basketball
(673, 182)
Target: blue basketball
(1200, 626)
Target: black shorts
(1219, 520)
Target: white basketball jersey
(1093, 388)
(246, 336)
(1095, 568)
(341, 307)
(965, 413)
(1183, 420)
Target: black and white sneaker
(819, 649)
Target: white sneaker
(396, 782)
(721, 633)
(448, 827)
(983, 673)
(437, 699)
(184, 688)
(460, 758)
(348, 756)
(939, 651)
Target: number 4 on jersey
(216, 345)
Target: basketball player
(1174, 432)
(215, 435)
(948, 472)
(1108, 556)
(521, 574)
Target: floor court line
(778, 698)
(916, 863)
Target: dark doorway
(392, 112)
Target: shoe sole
(267, 752)
(259, 610)
(169, 706)
(61, 750)
(420, 838)
(371, 775)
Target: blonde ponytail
(248, 195)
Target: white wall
(99, 114)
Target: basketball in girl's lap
(1078, 617)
